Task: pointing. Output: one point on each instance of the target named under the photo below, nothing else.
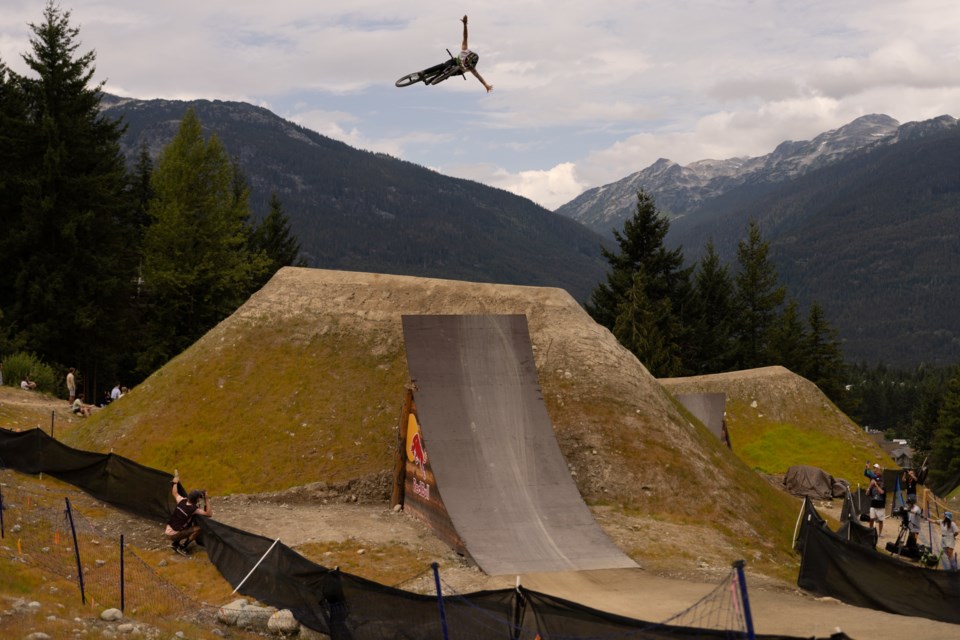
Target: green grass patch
(254, 408)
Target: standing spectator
(115, 392)
(948, 539)
(914, 515)
(71, 385)
(910, 482)
(878, 504)
(1, 374)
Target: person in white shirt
(948, 539)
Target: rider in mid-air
(467, 60)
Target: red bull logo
(415, 450)
(419, 455)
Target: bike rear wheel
(409, 79)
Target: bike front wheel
(409, 79)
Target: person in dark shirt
(910, 482)
(878, 500)
(181, 529)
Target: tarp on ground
(862, 576)
(812, 482)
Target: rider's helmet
(471, 61)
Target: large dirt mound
(304, 384)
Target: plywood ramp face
(492, 451)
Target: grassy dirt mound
(777, 419)
(304, 384)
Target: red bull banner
(421, 496)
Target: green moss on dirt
(250, 409)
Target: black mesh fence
(327, 600)
(860, 575)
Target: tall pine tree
(69, 256)
(946, 439)
(637, 327)
(665, 280)
(757, 298)
(824, 358)
(713, 315)
(198, 266)
(274, 238)
(788, 341)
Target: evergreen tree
(13, 174)
(758, 297)
(930, 393)
(274, 238)
(788, 340)
(664, 277)
(67, 249)
(637, 328)
(945, 452)
(713, 314)
(824, 358)
(198, 267)
(141, 190)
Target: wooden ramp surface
(496, 462)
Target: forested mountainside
(357, 210)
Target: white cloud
(549, 188)
(592, 91)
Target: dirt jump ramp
(480, 433)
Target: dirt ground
(647, 593)
(655, 591)
(643, 593)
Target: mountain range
(862, 219)
(360, 211)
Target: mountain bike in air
(435, 74)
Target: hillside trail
(654, 592)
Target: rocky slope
(680, 189)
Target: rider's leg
(437, 68)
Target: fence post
(443, 615)
(76, 550)
(52, 416)
(1, 514)
(747, 616)
(122, 603)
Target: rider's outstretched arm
(463, 45)
(488, 87)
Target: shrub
(17, 365)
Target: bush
(17, 365)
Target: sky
(585, 93)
